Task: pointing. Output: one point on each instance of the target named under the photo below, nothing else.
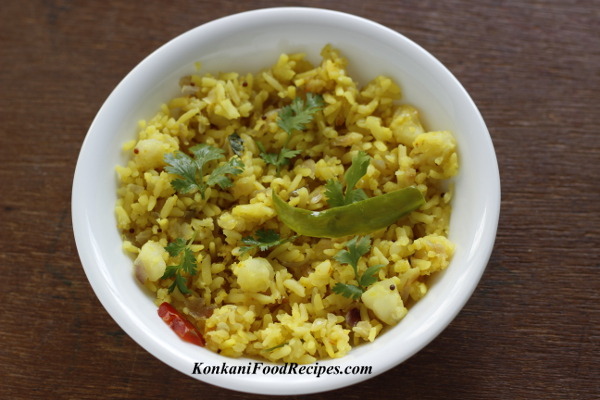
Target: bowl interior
(248, 42)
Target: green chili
(358, 218)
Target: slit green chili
(359, 218)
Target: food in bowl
(287, 215)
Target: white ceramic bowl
(248, 42)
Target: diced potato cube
(435, 154)
(150, 264)
(384, 300)
(406, 125)
(254, 274)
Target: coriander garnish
(333, 189)
(356, 249)
(293, 117)
(192, 170)
(264, 240)
(187, 264)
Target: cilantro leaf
(350, 291)
(277, 159)
(236, 144)
(264, 240)
(235, 166)
(357, 247)
(293, 117)
(285, 155)
(181, 284)
(334, 193)
(170, 271)
(368, 277)
(335, 196)
(358, 169)
(191, 170)
(269, 158)
(356, 195)
(176, 247)
(183, 165)
(299, 113)
(203, 153)
(187, 263)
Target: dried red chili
(180, 324)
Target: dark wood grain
(531, 329)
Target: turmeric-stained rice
(278, 303)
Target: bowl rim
(88, 248)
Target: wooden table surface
(531, 329)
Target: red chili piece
(180, 324)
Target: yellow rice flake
(123, 219)
(187, 116)
(278, 303)
(168, 206)
(295, 287)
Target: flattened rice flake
(278, 304)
